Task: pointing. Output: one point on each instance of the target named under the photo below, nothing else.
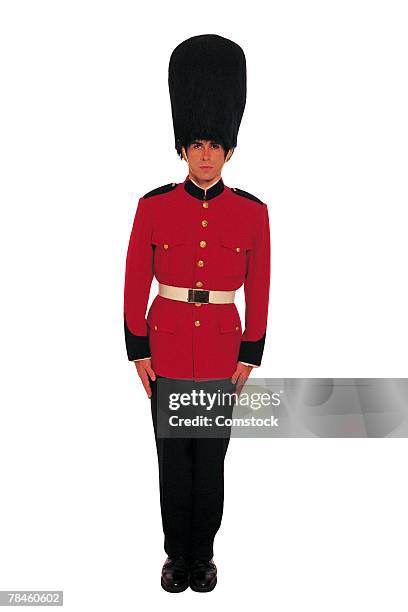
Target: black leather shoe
(203, 575)
(175, 575)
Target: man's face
(206, 159)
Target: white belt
(203, 296)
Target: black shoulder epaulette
(246, 194)
(159, 190)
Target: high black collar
(202, 194)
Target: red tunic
(190, 237)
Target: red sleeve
(256, 289)
(138, 280)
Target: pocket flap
(229, 323)
(236, 243)
(161, 321)
(167, 240)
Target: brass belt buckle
(199, 295)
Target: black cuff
(137, 347)
(252, 352)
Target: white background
(85, 131)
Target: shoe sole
(197, 589)
(178, 589)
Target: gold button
(165, 246)
(237, 249)
(203, 244)
(237, 328)
(197, 323)
(197, 303)
(204, 223)
(234, 188)
(199, 284)
(200, 263)
(173, 184)
(155, 327)
(205, 204)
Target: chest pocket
(233, 254)
(169, 252)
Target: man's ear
(183, 151)
(229, 154)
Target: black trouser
(191, 476)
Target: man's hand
(240, 376)
(144, 369)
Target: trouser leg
(191, 478)
(175, 461)
(208, 488)
(208, 494)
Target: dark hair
(191, 140)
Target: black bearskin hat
(207, 83)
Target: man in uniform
(202, 240)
